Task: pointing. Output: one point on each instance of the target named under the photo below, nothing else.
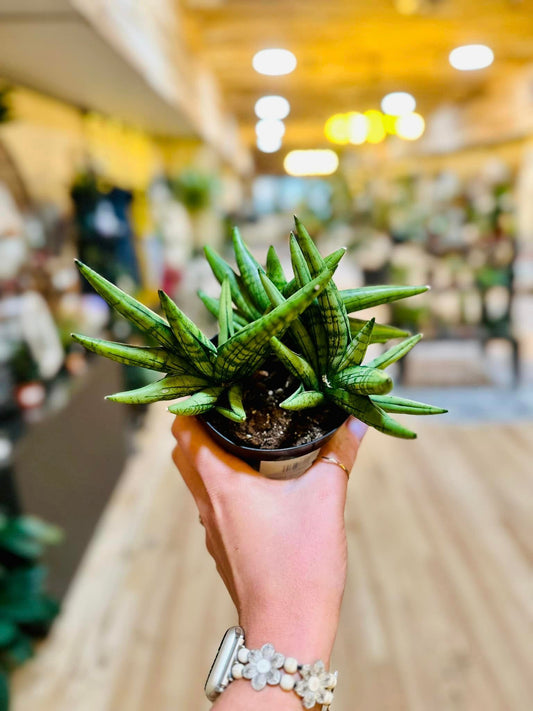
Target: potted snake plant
(286, 366)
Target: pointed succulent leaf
(198, 403)
(221, 270)
(236, 411)
(274, 269)
(169, 388)
(303, 400)
(144, 318)
(297, 329)
(199, 350)
(380, 333)
(362, 380)
(391, 403)
(225, 314)
(362, 407)
(299, 265)
(250, 269)
(331, 261)
(295, 364)
(332, 311)
(395, 353)
(242, 353)
(369, 296)
(212, 304)
(357, 349)
(158, 359)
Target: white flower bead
(242, 655)
(291, 665)
(287, 682)
(236, 671)
(327, 698)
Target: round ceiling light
(410, 126)
(272, 107)
(268, 144)
(311, 162)
(270, 128)
(471, 56)
(398, 103)
(274, 62)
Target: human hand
(279, 546)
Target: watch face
(220, 675)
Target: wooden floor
(437, 614)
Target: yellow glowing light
(358, 127)
(410, 126)
(312, 162)
(389, 123)
(376, 128)
(337, 129)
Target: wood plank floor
(437, 614)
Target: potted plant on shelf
(286, 368)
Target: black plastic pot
(287, 463)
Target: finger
(190, 475)
(345, 444)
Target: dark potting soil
(268, 426)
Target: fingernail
(357, 428)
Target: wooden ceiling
(352, 52)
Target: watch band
(267, 667)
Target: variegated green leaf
(362, 407)
(250, 269)
(212, 304)
(395, 353)
(144, 318)
(303, 400)
(299, 265)
(295, 364)
(390, 403)
(331, 260)
(380, 333)
(198, 403)
(362, 380)
(357, 349)
(169, 388)
(369, 296)
(200, 352)
(158, 359)
(225, 314)
(236, 411)
(222, 270)
(274, 269)
(246, 349)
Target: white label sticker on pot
(288, 468)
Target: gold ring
(332, 460)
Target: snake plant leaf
(380, 333)
(357, 349)
(144, 318)
(395, 353)
(236, 411)
(225, 314)
(391, 403)
(158, 359)
(331, 261)
(242, 353)
(201, 353)
(250, 269)
(303, 399)
(212, 304)
(221, 270)
(296, 329)
(369, 296)
(274, 269)
(333, 314)
(198, 403)
(362, 407)
(300, 267)
(362, 380)
(169, 388)
(295, 364)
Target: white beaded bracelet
(266, 666)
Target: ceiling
(352, 52)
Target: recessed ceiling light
(270, 128)
(268, 144)
(274, 62)
(312, 162)
(398, 103)
(471, 56)
(410, 126)
(272, 107)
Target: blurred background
(135, 132)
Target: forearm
(239, 696)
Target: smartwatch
(220, 673)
